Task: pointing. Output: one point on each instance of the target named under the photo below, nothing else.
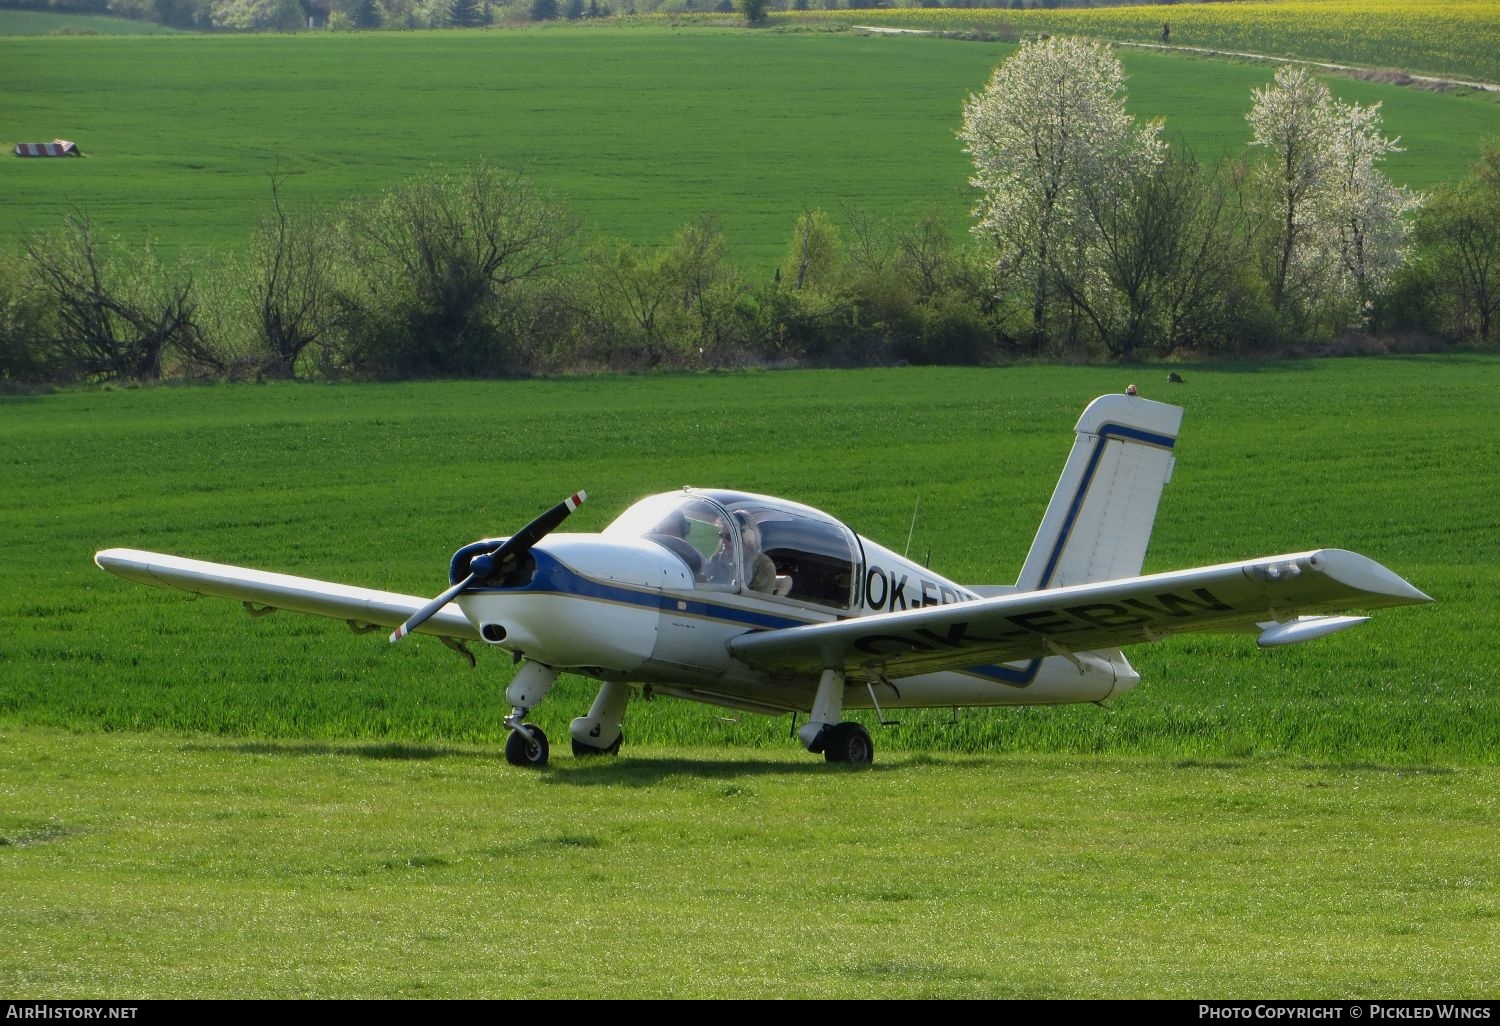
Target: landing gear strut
(599, 732)
(527, 745)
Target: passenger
(761, 570)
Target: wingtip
(1366, 574)
(106, 559)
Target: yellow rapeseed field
(1455, 38)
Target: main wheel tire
(850, 743)
(526, 746)
(583, 751)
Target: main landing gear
(846, 742)
(599, 733)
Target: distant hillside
(46, 23)
(636, 130)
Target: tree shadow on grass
(382, 750)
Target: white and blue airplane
(764, 605)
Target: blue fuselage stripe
(553, 577)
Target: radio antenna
(913, 529)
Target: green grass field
(158, 867)
(195, 803)
(377, 485)
(636, 129)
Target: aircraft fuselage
(622, 607)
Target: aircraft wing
(1285, 598)
(261, 591)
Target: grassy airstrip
(636, 129)
(143, 866)
(197, 803)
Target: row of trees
(290, 15)
(474, 272)
(1094, 238)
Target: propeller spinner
(483, 565)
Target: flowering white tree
(1369, 211)
(1336, 226)
(1051, 119)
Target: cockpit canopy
(734, 541)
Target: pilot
(673, 525)
(672, 534)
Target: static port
(493, 633)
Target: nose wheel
(526, 746)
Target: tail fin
(1102, 511)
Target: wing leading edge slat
(1104, 615)
(282, 591)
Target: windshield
(694, 529)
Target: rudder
(1099, 521)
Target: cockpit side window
(803, 558)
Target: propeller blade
(516, 545)
(424, 614)
(521, 542)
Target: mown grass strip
(204, 868)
